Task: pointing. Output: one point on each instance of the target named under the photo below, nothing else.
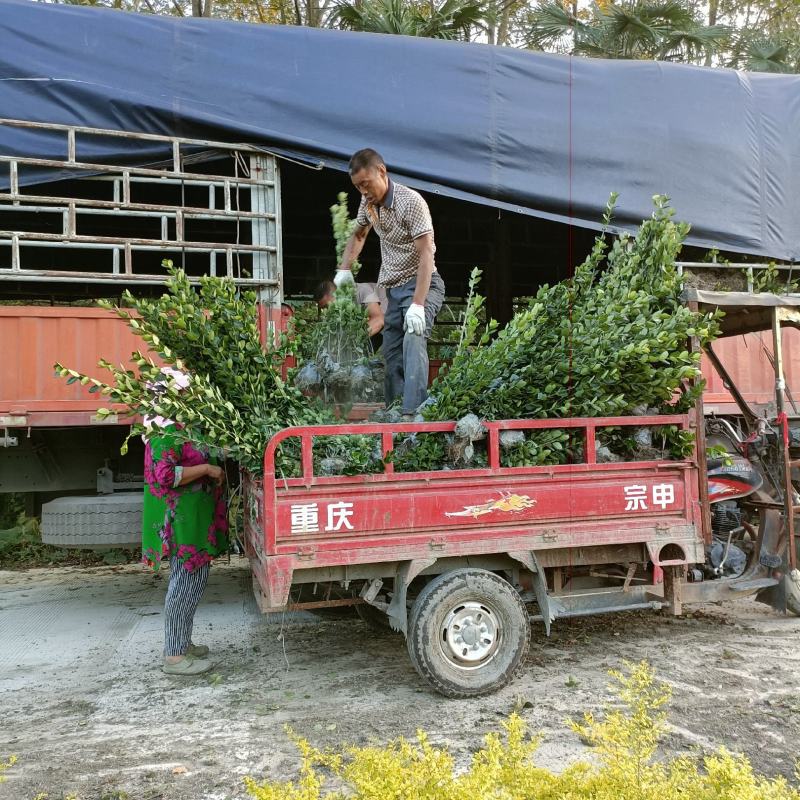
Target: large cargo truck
(214, 208)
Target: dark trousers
(406, 354)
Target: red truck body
(44, 335)
(79, 337)
(30, 391)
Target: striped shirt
(399, 220)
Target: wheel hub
(470, 635)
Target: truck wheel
(469, 632)
(96, 523)
(792, 584)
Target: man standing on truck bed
(414, 288)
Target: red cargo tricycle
(461, 560)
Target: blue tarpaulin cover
(542, 134)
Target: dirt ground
(87, 712)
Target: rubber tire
(428, 613)
(94, 523)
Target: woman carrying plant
(184, 523)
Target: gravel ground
(87, 711)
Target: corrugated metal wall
(747, 359)
(33, 338)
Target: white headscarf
(180, 380)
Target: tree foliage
(236, 399)
(757, 35)
(610, 339)
(450, 19)
(662, 30)
(759, 54)
(766, 33)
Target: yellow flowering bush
(4, 765)
(625, 740)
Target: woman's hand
(216, 474)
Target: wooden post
(780, 403)
(673, 588)
(698, 422)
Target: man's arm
(374, 318)
(354, 245)
(424, 248)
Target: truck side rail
(647, 508)
(387, 432)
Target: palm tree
(767, 55)
(664, 30)
(450, 19)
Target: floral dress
(188, 521)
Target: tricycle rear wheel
(468, 633)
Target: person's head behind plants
(172, 378)
(324, 293)
(368, 174)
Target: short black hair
(365, 158)
(323, 289)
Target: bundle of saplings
(236, 399)
(335, 354)
(611, 341)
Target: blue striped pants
(183, 595)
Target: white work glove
(415, 319)
(342, 277)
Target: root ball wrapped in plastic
(511, 439)
(469, 427)
(326, 365)
(360, 377)
(332, 466)
(340, 379)
(308, 379)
